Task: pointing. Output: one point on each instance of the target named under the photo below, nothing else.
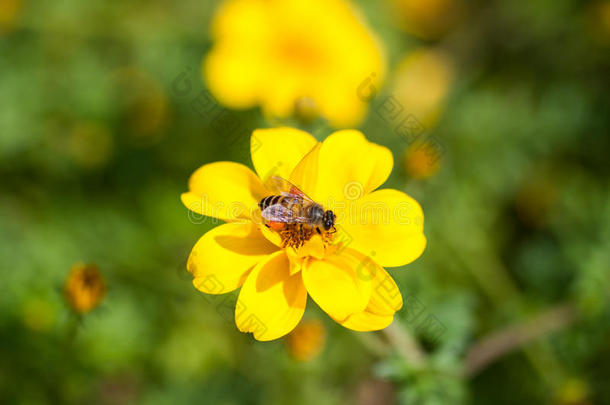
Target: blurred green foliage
(97, 143)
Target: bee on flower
(290, 55)
(85, 288)
(298, 227)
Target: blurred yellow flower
(421, 160)
(422, 81)
(273, 53)
(306, 341)
(85, 287)
(342, 272)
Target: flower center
(296, 235)
(300, 53)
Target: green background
(98, 136)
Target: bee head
(329, 220)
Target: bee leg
(267, 226)
(318, 230)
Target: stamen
(295, 235)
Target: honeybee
(294, 215)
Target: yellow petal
(386, 225)
(384, 302)
(240, 19)
(314, 247)
(225, 190)
(337, 285)
(234, 65)
(277, 151)
(366, 321)
(226, 78)
(279, 101)
(342, 111)
(296, 263)
(350, 167)
(271, 301)
(272, 236)
(223, 257)
(305, 173)
(385, 294)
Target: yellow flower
(423, 80)
(274, 52)
(343, 273)
(306, 341)
(85, 287)
(422, 160)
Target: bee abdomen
(268, 201)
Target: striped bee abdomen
(270, 200)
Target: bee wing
(281, 213)
(282, 186)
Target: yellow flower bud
(422, 160)
(85, 287)
(306, 341)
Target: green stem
(405, 344)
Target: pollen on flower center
(296, 235)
